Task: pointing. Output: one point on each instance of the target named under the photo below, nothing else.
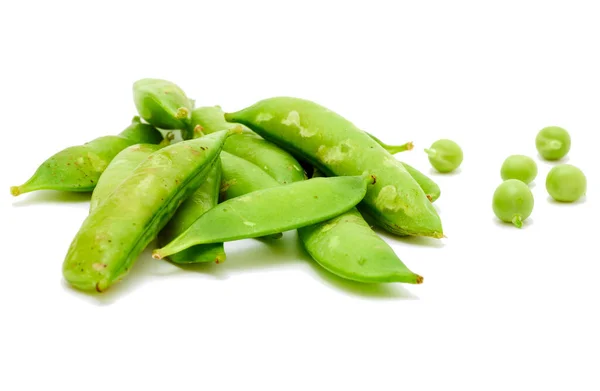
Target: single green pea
(513, 202)
(566, 183)
(163, 104)
(553, 142)
(519, 167)
(445, 155)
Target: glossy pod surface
(120, 168)
(269, 211)
(117, 230)
(202, 200)
(78, 168)
(337, 147)
(275, 161)
(163, 104)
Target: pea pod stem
(431, 152)
(393, 149)
(517, 221)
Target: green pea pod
(337, 147)
(242, 177)
(203, 199)
(431, 189)
(163, 104)
(348, 247)
(272, 210)
(118, 169)
(114, 234)
(276, 162)
(78, 168)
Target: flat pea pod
(114, 234)
(278, 163)
(347, 247)
(202, 200)
(118, 169)
(78, 168)
(272, 210)
(337, 147)
(163, 104)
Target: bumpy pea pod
(272, 210)
(348, 247)
(118, 229)
(337, 147)
(276, 162)
(203, 199)
(163, 104)
(78, 168)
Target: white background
(500, 308)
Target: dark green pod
(248, 145)
(78, 168)
(163, 104)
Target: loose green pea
(513, 202)
(335, 146)
(163, 104)
(113, 235)
(553, 142)
(519, 167)
(272, 210)
(566, 183)
(78, 168)
(445, 155)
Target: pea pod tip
(15, 190)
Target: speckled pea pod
(114, 234)
(242, 177)
(272, 210)
(347, 246)
(163, 104)
(337, 147)
(78, 168)
(118, 169)
(276, 162)
(203, 199)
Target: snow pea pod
(114, 234)
(347, 246)
(276, 162)
(163, 104)
(337, 147)
(272, 210)
(203, 199)
(118, 169)
(78, 168)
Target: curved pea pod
(347, 246)
(114, 234)
(163, 104)
(275, 161)
(120, 168)
(202, 200)
(78, 168)
(337, 147)
(242, 177)
(431, 189)
(272, 210)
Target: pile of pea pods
(193, 178)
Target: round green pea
(519, 167)
(513, 202)
(445, 155)
(553, 143)
(566, 183)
